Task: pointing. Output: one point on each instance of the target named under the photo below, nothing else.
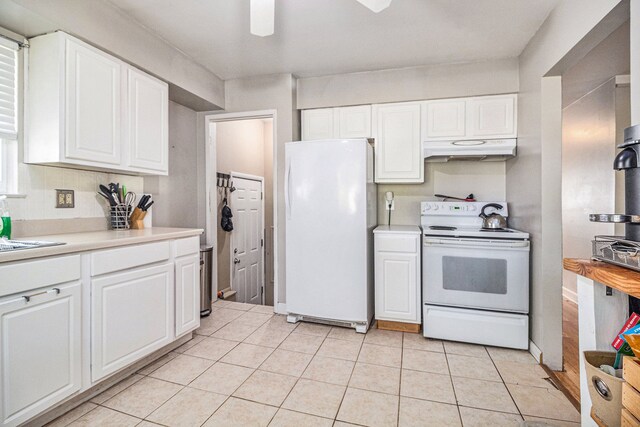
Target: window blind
(8, 89)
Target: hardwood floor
(569, 378)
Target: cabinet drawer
(27, 275)
(628, 420)
(631, 399)
(631, 371)
(118, 259)
(406, 244)
(188, 246)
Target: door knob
(236, 261)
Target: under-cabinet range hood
(488, 150)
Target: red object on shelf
(630, 323)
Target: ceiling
(322, 37)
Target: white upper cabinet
(90, 110)
(398, 145)
(481, 117)
(339, 122)
(93, 122)
(148, 117)
(444, 119)
(317, 124)
(354, 122)
(492, 116)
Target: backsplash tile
(39, 183)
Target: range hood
(488, 150)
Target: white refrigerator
(330, 210)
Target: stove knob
(472, 208)
(426, 208)
(435, 207)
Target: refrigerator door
(326, 229)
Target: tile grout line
(335, 419)
(453, 386)
(493, 362)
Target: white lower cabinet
(187, 294)
(397, 273)
(40, 356)
(132, 316)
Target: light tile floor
(248, 367)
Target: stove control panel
(459, 208)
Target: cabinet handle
(28, 297)
(236, 261)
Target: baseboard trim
(535, 351)
(570, 295)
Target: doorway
(240, 182)
(595, 111)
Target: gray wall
(409, 84)
(527, 178)
(175, 195)
(588, 181)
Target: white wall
(408, 84)
(455, 178)
(537, 165)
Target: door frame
(260, 179)
(211, 213)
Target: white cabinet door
(354, 122)
(397, 277)
(148, 117)
(444, 119)
(492, 116)
(396, 286)
(93, 84)
(187, 294)
(317, 124)
(132, 316)
(40, 351)
(398, 145)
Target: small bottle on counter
(5, 223)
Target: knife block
(137, 218)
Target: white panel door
(247, 271)
(93, 105)
(187, 294)
(318, 124)
(396, 286)
(354, 122)
(40, 353)
(492, 116)
(132, 316)
(148, 118)
(444, 119)
(398, 145)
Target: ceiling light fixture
(376, 6)
(262, 17)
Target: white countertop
(89, 241)
(398, 229)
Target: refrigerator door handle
(287, 177)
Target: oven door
(476, 273)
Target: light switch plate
(65, 199)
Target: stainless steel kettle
(492, 221)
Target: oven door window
(484, 275)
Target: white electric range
(475, 282)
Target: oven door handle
(477, 244)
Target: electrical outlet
(393, 205)
(65, 199)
